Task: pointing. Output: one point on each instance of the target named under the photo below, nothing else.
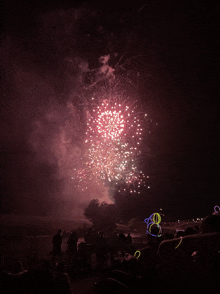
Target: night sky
(179, 86)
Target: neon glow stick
(138, 253)
(215, 209)
(181, 238)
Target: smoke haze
(42, 128)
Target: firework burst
(112, 140)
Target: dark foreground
(188, 262)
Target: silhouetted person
(90, 237)
(211, 224)
(84, 251)
(148, 258)
(122, 243)
(168, 236)
(42, 279)
(152, 240)
(72, 242)
(196, 228)
(57, 241)
(189, 231)
(122, 237)
(129, 239)
(60, 280)
(101, 250)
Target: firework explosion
(112, 141)
(110, 124)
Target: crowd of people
(188, 260)
(105, 247)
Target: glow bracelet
(181, 238)
(138, 253)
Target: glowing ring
(146, 220)
(181, 238)
(159, 227)
(138, 253)
(155, 218)
(149, 230)
(215, 209)
(158, 217)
